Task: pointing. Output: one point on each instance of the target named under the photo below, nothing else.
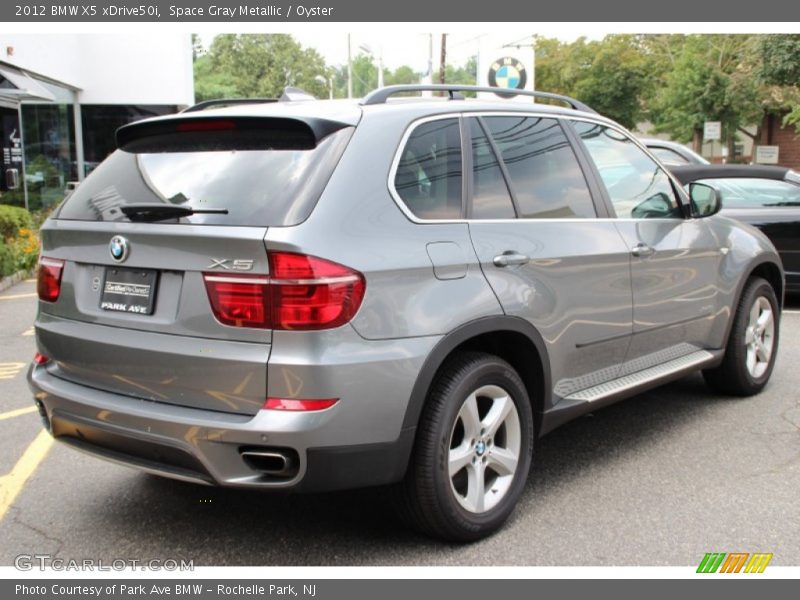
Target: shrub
(12, 219)
(6, 260)
(24, 249)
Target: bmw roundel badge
(509, 73)
(119, 248)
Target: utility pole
(349, 69)
(443, 58)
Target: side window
(545, 175)
(637, 186)
(428, 177)
(490, 196)
(667, 156)
(751, 192)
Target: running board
(634, 380)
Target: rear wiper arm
(154, 211)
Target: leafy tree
(258, 65)
(712, 79)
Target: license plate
(129, 290)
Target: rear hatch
(152, 245)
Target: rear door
(134, 315)
(548, 257)
(675, 259)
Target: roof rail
(380, 96)
(226, 102)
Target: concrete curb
(7, 282)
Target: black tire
(427, 498)
(732, 376)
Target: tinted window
(637, 186)
(545, 175)
(257, 187)
(490, 196)
(428, 177)
(747, 192)
(667, 156)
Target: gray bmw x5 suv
(316, 295)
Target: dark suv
(316, 295)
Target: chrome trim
(599, 120)
(222, 278)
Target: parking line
(30, 331)
(17, 413)
(17, 296)
(10, 370)
(13, 483)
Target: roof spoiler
(195, 133)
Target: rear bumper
(358, 442)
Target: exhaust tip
(275, 462)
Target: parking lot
(659, 479)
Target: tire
(752, 344)
(458, 440)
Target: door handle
(510, 258)
(642, 250)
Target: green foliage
(780, 58)
(6, 260)
(712, 79)
(12, 220)
(613, 75)
(258, 66)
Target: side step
(634, 380)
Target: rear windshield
(257, 187)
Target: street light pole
(349, 69)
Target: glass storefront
(37, 124)
(49, 149)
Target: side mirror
(706, 199)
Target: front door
(674, 259)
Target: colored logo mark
(734, 562)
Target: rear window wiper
(154, 211)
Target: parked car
(764, 196)
(318, 295)
(673, 153)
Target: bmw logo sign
(509, 73)
(119, 248)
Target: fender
(762, 259)
(458, 336)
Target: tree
(712, 79)
(258, 65)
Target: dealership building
(63, 96)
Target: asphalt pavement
(659, 479)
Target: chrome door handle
(641, 249)
(508, 259)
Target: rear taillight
(48, 283)
(40, 359)
(301, 293)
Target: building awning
(18, 85)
